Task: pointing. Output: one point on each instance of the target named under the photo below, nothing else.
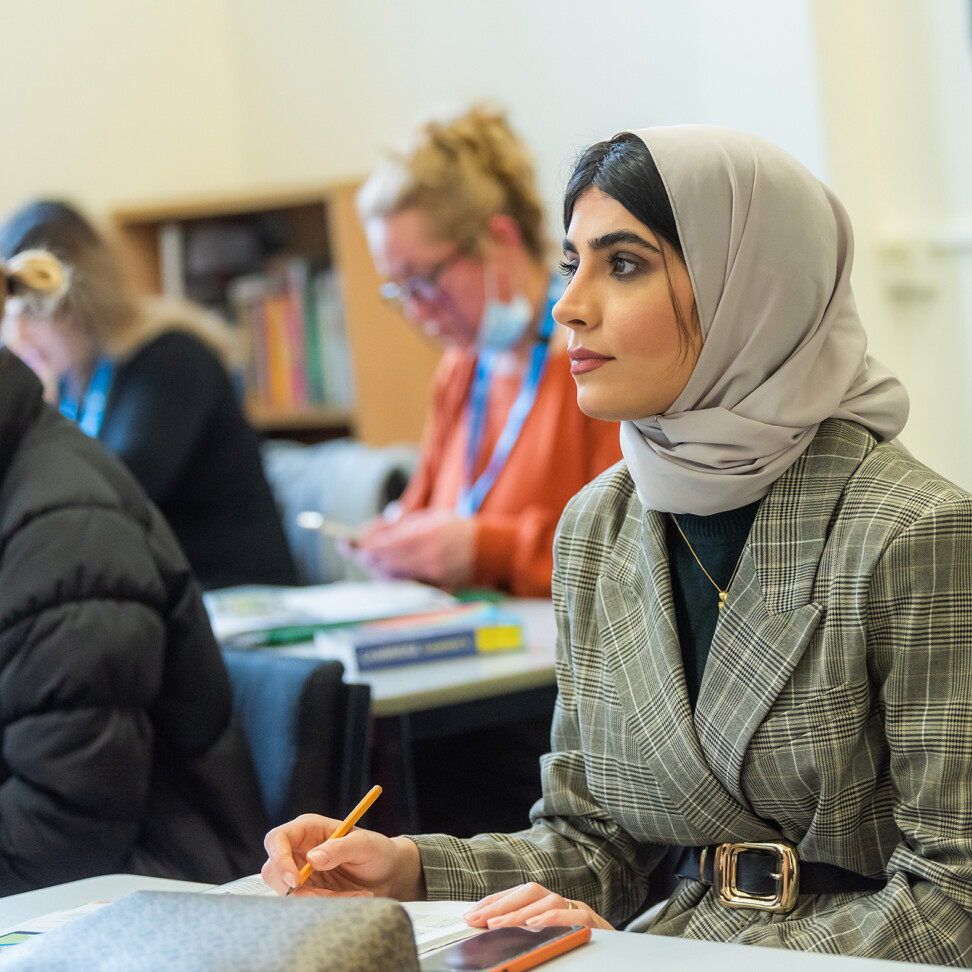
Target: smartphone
(312, 520)
(506, 949)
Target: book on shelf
(335, 351)
(246, 298)
(300, 285)
(254, 616)
(172, 260)
(292, 316)
(453, 632)
(283, 393)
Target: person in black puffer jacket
(118, 751)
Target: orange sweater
(559, 450)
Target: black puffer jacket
(118, 749)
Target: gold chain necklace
(723, 594)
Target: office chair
(308, 731)
(342, 479)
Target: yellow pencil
(343, 828)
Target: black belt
(766, 876)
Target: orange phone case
(535, 956)
(577, 935)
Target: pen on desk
(342, 828)
(312, 520)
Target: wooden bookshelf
(391, 365)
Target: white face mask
(503, 323)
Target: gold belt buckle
(787, 877)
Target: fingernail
(533, 921)
(317, 856)
(291, 880)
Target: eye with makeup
(622, 266)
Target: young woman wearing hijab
(149, 378)
(455, 224)
(765, 612)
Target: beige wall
(897, 95)
(328, 85)
(119, 101)
(105, 100)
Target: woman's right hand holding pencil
(361, 863)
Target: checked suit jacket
(835, 712)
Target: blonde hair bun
(35, 272)
(461, 169)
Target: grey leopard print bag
(163, 930)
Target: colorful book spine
(293, 283)
(278, 351)
(246, 296)
(335, 350)
(301, 283)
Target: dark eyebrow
(608, 240)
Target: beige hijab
(769, 251)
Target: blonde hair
(32, 273)
(460, 171)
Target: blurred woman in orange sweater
(456, 226)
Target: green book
(302, 283)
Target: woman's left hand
(531, 904)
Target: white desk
(617, 950)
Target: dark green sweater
(718, 541)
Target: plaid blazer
(835, 711)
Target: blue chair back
(308, 732)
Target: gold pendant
(722, 598)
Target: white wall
(109, 100)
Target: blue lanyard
(90, 410)
(472, 494)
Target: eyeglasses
(425, 288)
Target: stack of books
(455, 632)
(367, 625)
